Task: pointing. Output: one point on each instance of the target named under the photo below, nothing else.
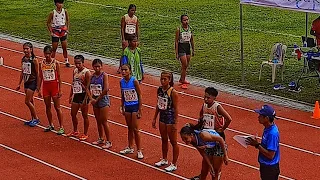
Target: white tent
(312, 6)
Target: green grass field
(95, 28)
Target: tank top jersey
(164, 102)
(49, 71)
(129, 92)
(28, 69)
(131, 23)
(96, 84)
(212, 120)
(59, 19)
(78, 80)
(185, 35)
(200, 142)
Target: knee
(174, 143)
(135, 130)
(164, 140)
(27, 102)
(57, 108)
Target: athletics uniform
(184, 46)
(130, 26)
(50, 78)
(59, 27)
(29, 73)
(96, 88)
(134, 60)
(210, 146)
(213, 120)
(165, 106)
(79, 94)
(130, 96)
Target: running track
(30, 153)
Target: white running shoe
(161, 163)
(127, 150)
(171, 168)
(107, 145)
(140, 155)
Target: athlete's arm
(155, 115)
(176, 42)
(207, 137)
(123, 24)
(36, 66)
(192, 44)
(67, 20)
(20, 80)
(122, 99)
(49, 22)
(137, 30)
(59, 78)
(226, 116)
(136, 85)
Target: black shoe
(49, 128)
(67, 64)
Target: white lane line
(194, 119)
(42, 162)
(165, 16)
(98, 147)
(144, 132)
(195, 96)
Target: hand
(225, 159)
(39, 94)
(202, 147)
(193, 53)
(70, 100)
(139, 114)
(142, 78)
(177, 56)
(124, 44)
(220, 130)
(18, 88)
(252, 141)
(59, 94)
(212, 171)
(93, 102)
(154, 124)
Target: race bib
(26, 68)
(208, 121)
(130, 95)
(130, 29)
(96, 89)
(49, 75)
(186, 36)
(77, 87)
(162, 103)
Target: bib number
(26, 68)
(186, 36)
(130, 95)
(49, 75)
(96, 89)
(208, 121)
(162, 103)
(77, 87)
(130, 29)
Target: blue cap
(266, 110)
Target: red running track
(299, 150)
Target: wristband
(257, 146)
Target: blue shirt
(200, 142)
(129, 93)
(270, 141)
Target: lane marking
(41, 161)
(190, 95)
(122, 125)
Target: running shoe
(99, 141)
(67, 64)
(83, 137)
(73, 134)
(171, 168)
(139, 155)
(34, 122)
(195, 178)
(184, 82)
(278, 87)
(161, 163)
(60, 131)
(127, 150)
(27, 122)
(184, 86)
(107, 145)
(49, 128)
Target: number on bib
(208, 121)
(96, 89)
(162, 103)
(186, 36)
(130, 95)
(49, 75)
(26, 68)
(130, 29)
(77, 87)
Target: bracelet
(257, 146)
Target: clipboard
(241, 140)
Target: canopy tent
(312, 6)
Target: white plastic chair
(273, 65)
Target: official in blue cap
(269, 153)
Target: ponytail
(189, 129)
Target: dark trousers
(269, 172)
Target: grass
(96, 29)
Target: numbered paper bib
(186, 36)
(162, 103)
(130, 29)
(49, 75)
(77, 87)
(26, 67)
(130, 95)
(208, 121)
(96, 89)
